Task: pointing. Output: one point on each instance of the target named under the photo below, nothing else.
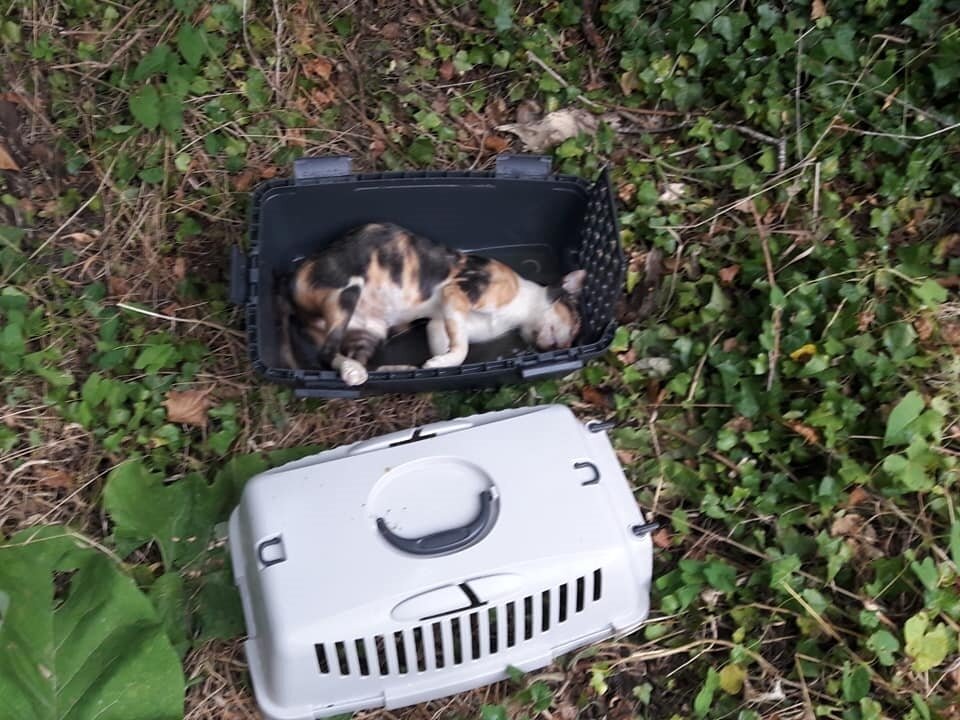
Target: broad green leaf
(930, 293)
(152, 63)
(191, 43)
(902, 415)
(219, 611)
(856, 682)
(493, 712)
(145, 107)
(721, 575)
(92, 649)
(169, 600)
(955, 541)
(180, 516)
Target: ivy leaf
(100, 652)
(901, 417)
(721, 575)
(145, 107)
(928, 649)
(884, 644)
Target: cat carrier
(541, 224)
(424, 563)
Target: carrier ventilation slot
(453, 641)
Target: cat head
(559, 326)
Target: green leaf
(145, 107)
(955, 541)
(191, 43)
(219, 610)
(256, 89)
(152, 63)
(721, 575)
(179, 516)
(856, 682)
(884, 644)
(731, 679)
(903, 414)
(927, 648)
(930, 293)
(924, 19)
(167, 596)
(493, 712)
(704, 699)
(170, 112)
(92, 649)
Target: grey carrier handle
(448, 541)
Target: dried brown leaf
(495, 143)
(627, 192)
(56, 478)
(81, 238)
(447, 71)
(595, 396)
(728, 274)
(243, 181)
(818, 9)
(849, 525)
(6, 160)
(857, 496)
(924, 327)
(390, 31)
(626, 457)
(950, 332)
(180, 267)
(319, 67)
(188, 406)
(661, 538)
(808, 433)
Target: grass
(785, 379)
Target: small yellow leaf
(804, 352)
(731, 679)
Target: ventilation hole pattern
(602, 258)
(450, 642)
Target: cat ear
(573, 282)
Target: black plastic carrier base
(542, 225)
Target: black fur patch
(348, 299)
(474, 277)
(436, 262)
(390, 258)
(360, 345)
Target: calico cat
(380, 277)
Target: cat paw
(353, 373)
(442, 361)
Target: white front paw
(441, 361)
(353, 373)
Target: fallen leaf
(857, 495)
(594, 396)
(626, 457)
(319, 67)
(950, 332)
(924, 327)
(6, 161)
(865, 320)
(804, 353)
(629, 82)
(377, 147)
(808, 433)
(627, 192)
(556, 127)
(268, 172)
(672, 193)
(528, 111)
(188, 406)
(728, 274)
(739, 424)
(849, 525)
(81, 238)
(495, 143)
(117, 286)
(661, 538)
(447, 71)
(731, 345)
(57, 478)
(390, 31)
(180, 267)
(818, 9)
(629, 357)
(243, 181)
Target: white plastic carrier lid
(424, 563)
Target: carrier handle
(450, 541)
